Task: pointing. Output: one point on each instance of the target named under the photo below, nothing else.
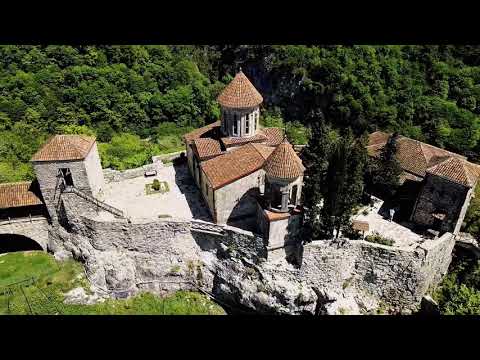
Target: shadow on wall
(244, 213)
(187, 186)
(12, 243)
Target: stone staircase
(104, 206)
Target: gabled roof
(456, 170)
(19, 194)
(419, 158)
(240, 93)
(64, 148)
(207, 148)
(233, 165)
(284, 163)
(198, 133)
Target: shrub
(156, 185)
(379, 239)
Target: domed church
(250, 177)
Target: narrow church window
(247, 124)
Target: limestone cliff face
(334, 277)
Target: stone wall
(46, 173)
(35, 228)
(439, 195)
(377, 274)
(238, 198)
(93, 168)
(111, 175)
(351, 276)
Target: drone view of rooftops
(177, 179)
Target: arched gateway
(23, 221)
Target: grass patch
(52, 279)
(150, 190)
(379, 239)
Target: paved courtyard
(183, 200)
(399, 232)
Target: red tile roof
(237, 141)
(274, 136)
(207, 148)
(64, 148)
(240, 93)
(233, 165)
(198, 133)
(418, 158)
(267, 136)
(18, 195)
(456, 170)
(284, 163)
(264, 150)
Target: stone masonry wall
(46, 173)
(111, 175)
(439, 194)
(235, 200)
(376, 273)
(166, 255)
(35, 229)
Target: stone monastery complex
(235, 209)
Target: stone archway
(14, 242)
(34, 229)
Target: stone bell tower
(280, 214)
(240, 105)
(67, 160)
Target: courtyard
(400, 232)
(178, 196)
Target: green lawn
(51, 279)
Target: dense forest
(124, 94)
(139, 100)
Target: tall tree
(316, 159)
(384, 171)
(344, 182)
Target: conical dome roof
(284, 163)
(240, 93)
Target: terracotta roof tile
(198, 133)
(264, 150)
(207, 148)
(237, 141)
(456, 170)
(267, 136)
(416, 158)
(240, 93)
(18, 195)
(64, 148)
(233, 165)
(274, 136)
(284, 163)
